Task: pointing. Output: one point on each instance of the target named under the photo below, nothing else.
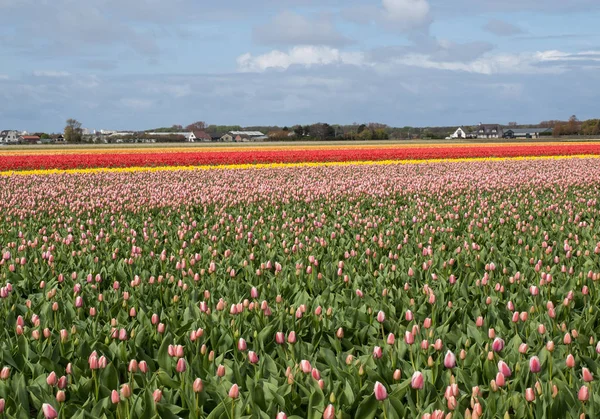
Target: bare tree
(196, 126)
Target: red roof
(30, 137)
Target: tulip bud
(114, 397)
(234, 391)
(125, 391)
(198, 385)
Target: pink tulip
(49, 411)
(221, 370)
(377, 352)
(242, 346)
(114, 397)
(281, 415)
(570, 362)
(252, 357)
(125, 391)
(498, 345)
(409, 338)
(417, 380)
(181, 365)
(380, 391)
(234, 392)
(584, 394)
(291, 337)
(143, 366)
(500, 379)
(305, 366)
(504, 369)
(51, 380)
(380, 316)
(450, 360)
(157, 395)
(391, 339)
(587, 375)
(534, 365)
(198, 385)
(329, 412)
(529, 395)
(408, 316)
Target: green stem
(384, 411)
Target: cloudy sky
(138, 64)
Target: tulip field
(368, 282)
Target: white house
(189, 136)
(459, 133)
(9, 137)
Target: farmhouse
(527, 132)
(29, 139)
(9, 137)
(243, 136)
(489, 131)
(459, 133)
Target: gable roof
(202, 135)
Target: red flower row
(157, 158)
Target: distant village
(201, 132)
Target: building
(202, 136)
(190, 137)
(9, 137)
(459, 133)
(244, 136)
(29, 139)
(527, 132)
(489, 131)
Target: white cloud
(489, 64)
(301, 55)
(50, 73)
(410, 13)
(137, 104)
(288, 28)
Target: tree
(299, 130)
(196, 126)
(591, 127)
(73, 131)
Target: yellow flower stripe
(284, 165)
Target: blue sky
(138, 64)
